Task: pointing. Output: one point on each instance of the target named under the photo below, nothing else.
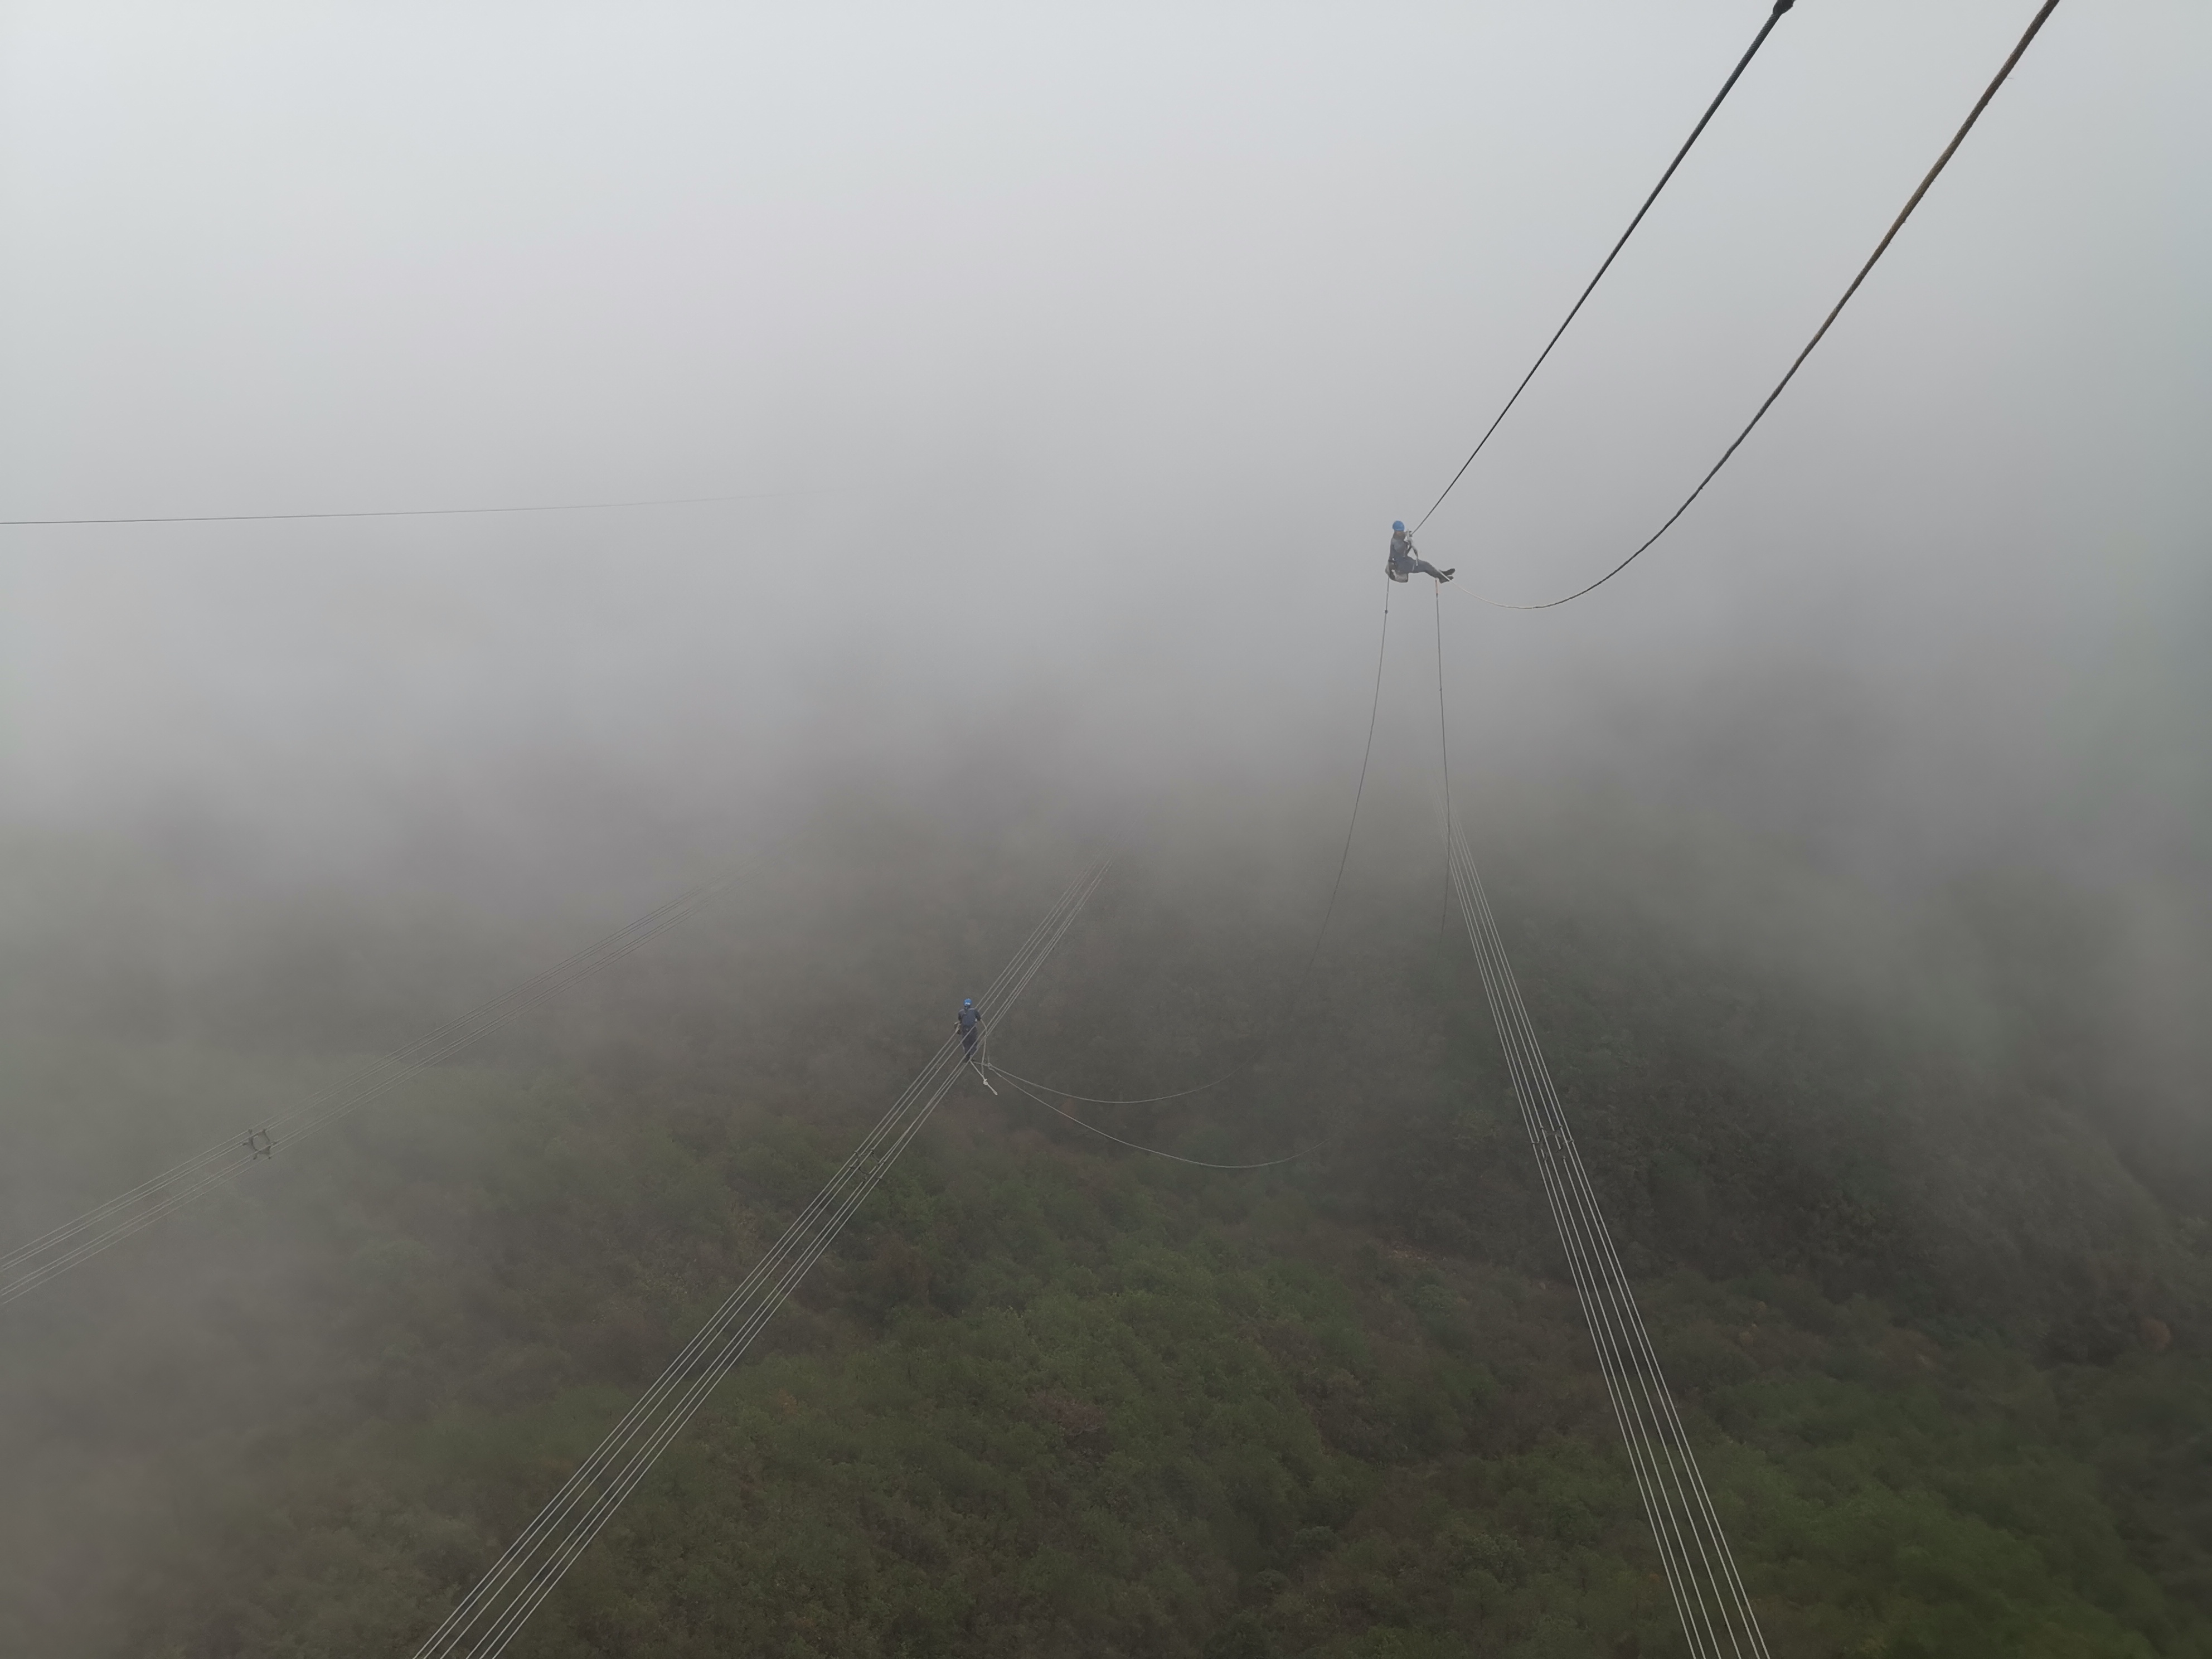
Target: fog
(1073, 368)
(1064, 372)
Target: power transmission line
(1727, 86)
(410, 512)
(491, 1614)
(1880, 248)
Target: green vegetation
(1051, 1397)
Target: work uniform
(971, 1030)
(1405, 565)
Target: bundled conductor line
(490, 1615)
(1701, 1574)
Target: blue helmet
(1397, 524)
(967, 1002)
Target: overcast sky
(1079, 360)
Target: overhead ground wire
(1444, 752)
(1775, 15)
(1358, 791)
(1095, 1100)
(1819, 334)
(1710, 1598)
(866, 1170)
(1727, 86)
(407, 512)
(498, 1597)
(1708, 1591)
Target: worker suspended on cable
(1404, 563)
(971, 1028)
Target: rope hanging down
(492, 1614)
(1328, 910)
(1717, 1620)
(1880, 248)
(1727, 86)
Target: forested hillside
(1939, 1336)
(787, 489)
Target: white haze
(1075, 363)
(1078, 362)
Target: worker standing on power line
(971, 1028)
(1404, 563)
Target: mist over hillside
(1810, 1101)
(1032, 394)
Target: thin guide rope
(1155, 1151)
(1328, 910)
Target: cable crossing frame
(491, 1614)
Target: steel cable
(487, 1619)
(864, 1169)
(1727, 86)
(1700, 1569)
(1819, 334)
(1444, 756)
